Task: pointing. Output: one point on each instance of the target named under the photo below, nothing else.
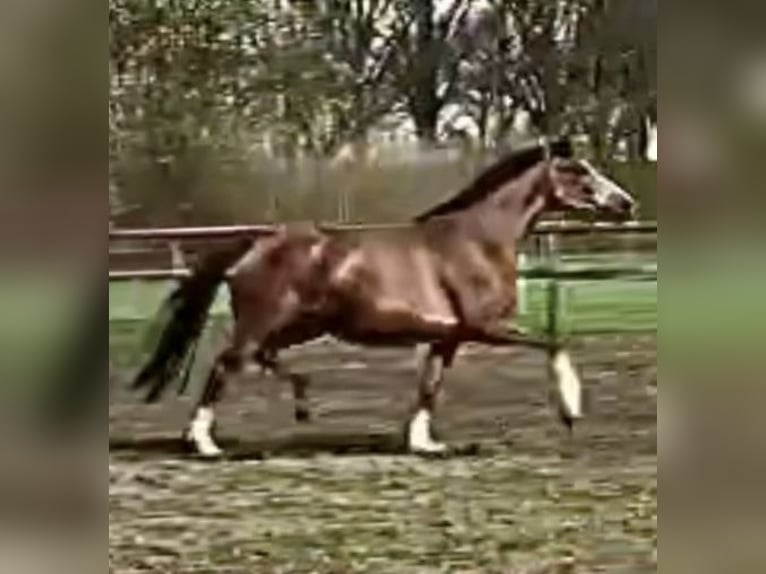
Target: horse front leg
(419, 435)
(569, 385)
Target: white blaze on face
(570, 388)
(651, 148)
(607, 192)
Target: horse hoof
(202, 446)
(211, 455)
(208, 452)
(430, 448)
(567, 420)
(419, 437)
(431, 454)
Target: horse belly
(397, 310)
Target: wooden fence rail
(223, 232)
(642, 272)
(176, 243)
(172, 245)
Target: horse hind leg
(419, 432)
(199, 433)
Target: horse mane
(506, 168)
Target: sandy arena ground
(337, 495)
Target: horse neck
(508, 216)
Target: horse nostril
(626, 205)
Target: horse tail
(182, 319)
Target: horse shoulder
(505, 258)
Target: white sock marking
(199, 432)
(420, 434)
(569, 384)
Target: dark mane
(503, 170)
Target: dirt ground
(518, 494)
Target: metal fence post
(522, 286)
(553, 291)
(552, 326)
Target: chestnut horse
(447, 279)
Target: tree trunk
(425, 104)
